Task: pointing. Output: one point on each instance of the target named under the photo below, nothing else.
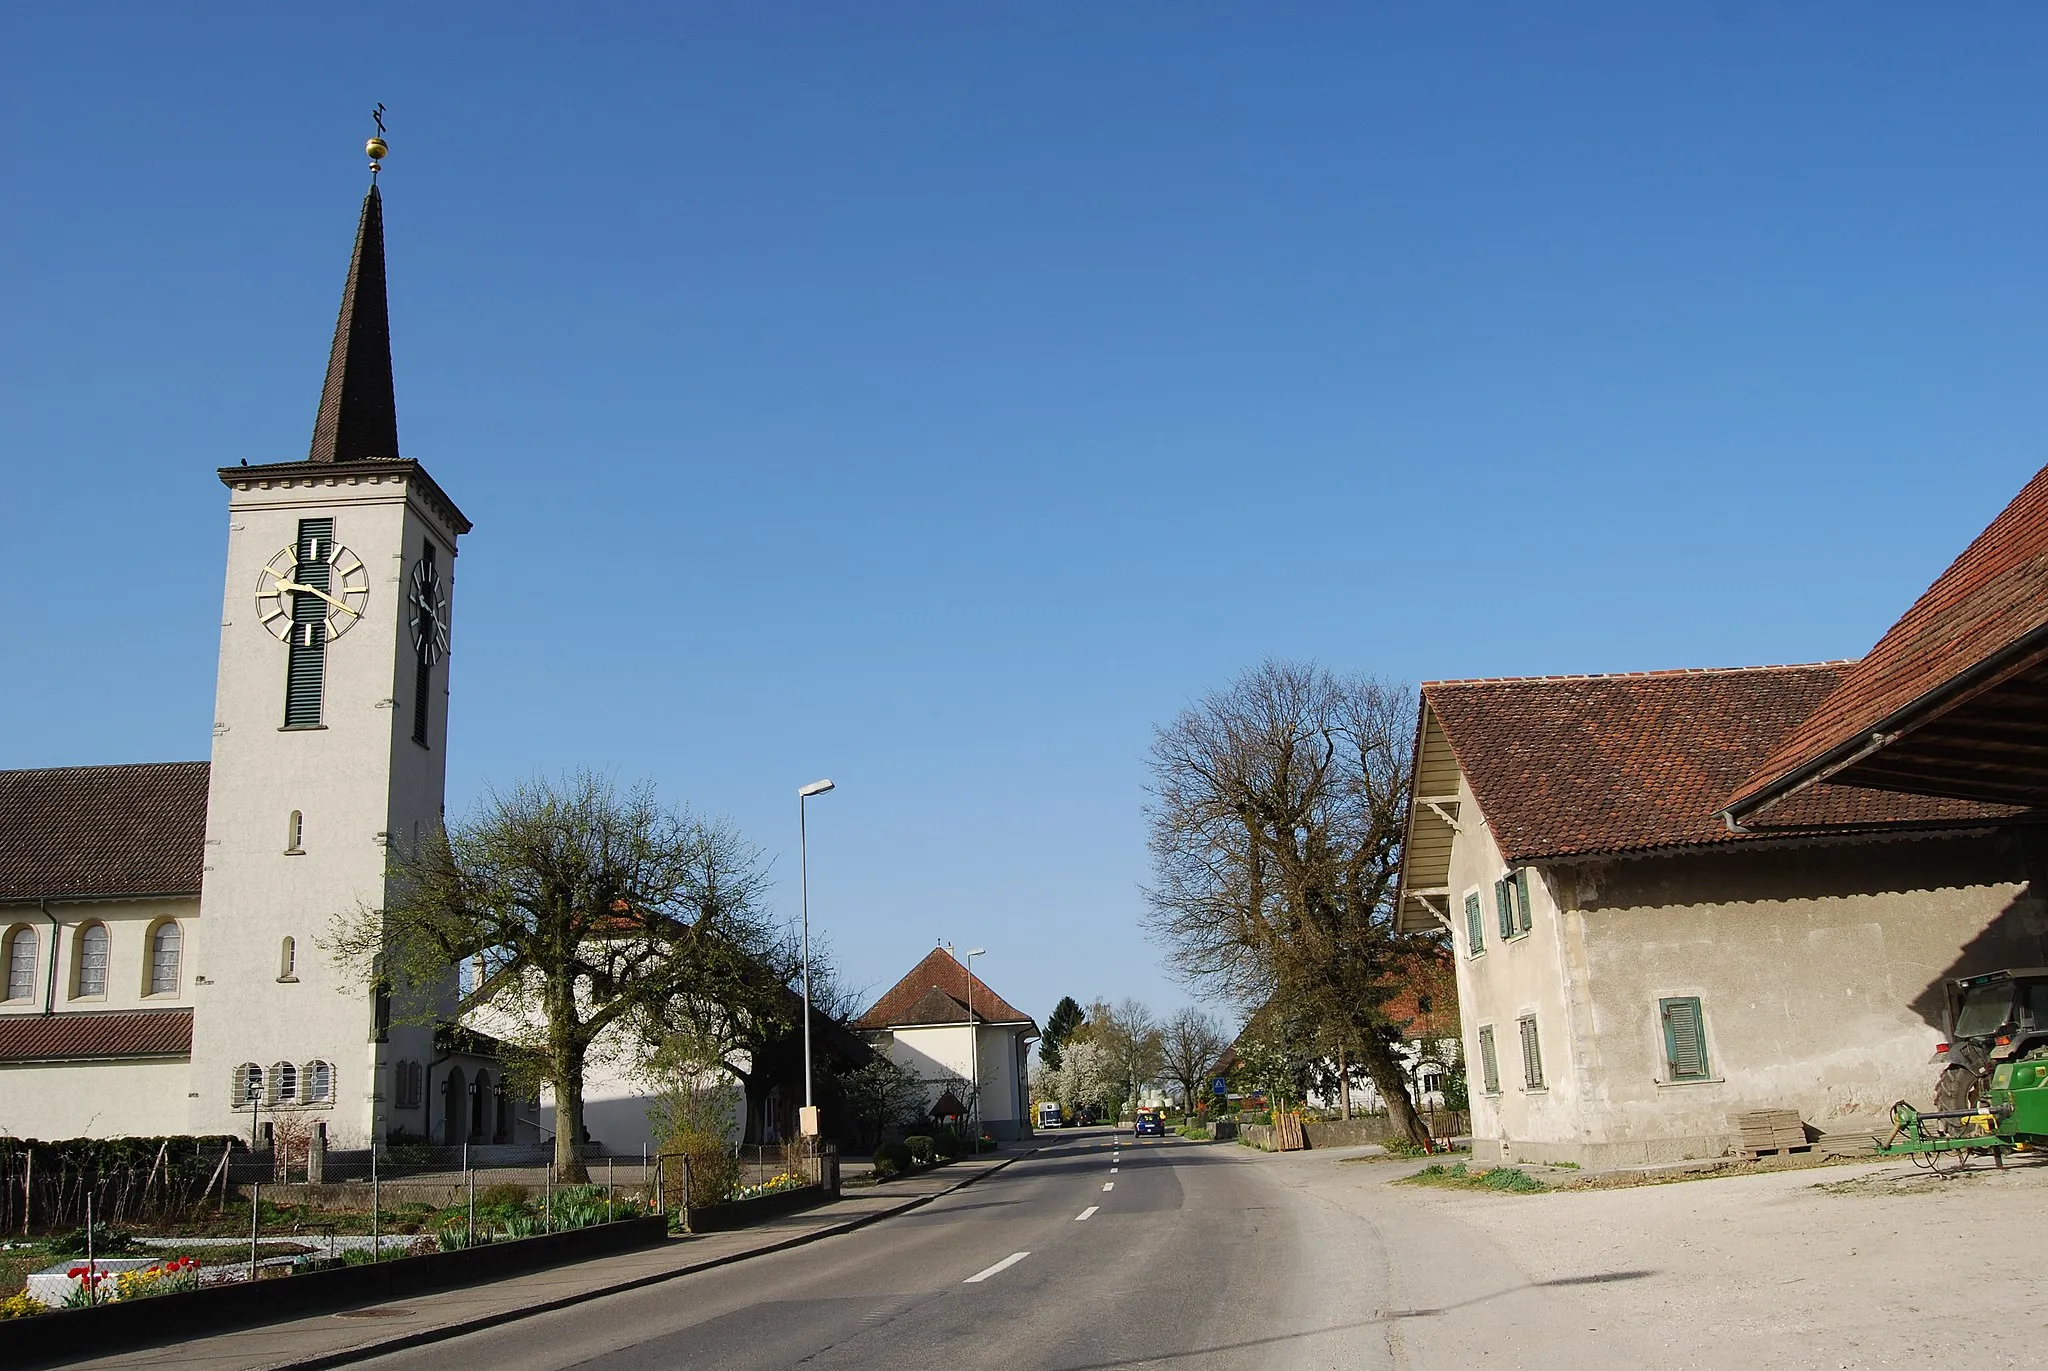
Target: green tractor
(1992, 1095)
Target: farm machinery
(1992, 1095)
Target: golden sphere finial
(377, 148)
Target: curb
(424, 1336)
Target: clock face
(427, 605)
(333, 582)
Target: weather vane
(377, 147)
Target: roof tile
(102, 830)
(111, 1034)
(1993, 596)
(1583, 765)
(939, 971)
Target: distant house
(1424, 1008)
(1631, 971)
(941, 1019)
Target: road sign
(1220, 1086)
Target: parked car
(1151, 1123)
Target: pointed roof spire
(358, 415)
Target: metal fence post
(255, 1221)
(469, 1186)
(376, 1206)
(547, 1202)
(611, 1177)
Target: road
(1187, 1256)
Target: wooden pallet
(1287, 1134)
(1769, 1132)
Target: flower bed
(61, 1336)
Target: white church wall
(94, 1099)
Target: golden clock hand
(283, 584)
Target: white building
(159, 923)
(956, 1035)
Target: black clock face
(427, 608)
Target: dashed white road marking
(1086, 1212)
(1004, 1265)
(1109, 1185)
(1112, 1171)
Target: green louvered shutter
(1532, 1056)
(1489, 1061)
(1504, 904)
(1475, 925)
(306, 673)
(1522, 897)
(1685, 1039)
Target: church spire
(358, 416)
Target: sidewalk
(337, 1339)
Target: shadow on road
(1384, 1316)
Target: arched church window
(294, 829)
(248, 1086)
(165, 946)
(319, 1083)
(284, 1083)
(288, 960)
(21, 963)
(91, 980)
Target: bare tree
(1190, 1045)
(1279, 806)
(582, 910)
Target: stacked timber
(1769, 1132)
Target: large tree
(1279, 806)
(583, 912)
(1060, 1025)
(1190, 1044)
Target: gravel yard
(1840, 1266)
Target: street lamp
(807, 1125)
(973, 1052)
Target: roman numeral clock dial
(320, 584)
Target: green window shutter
(1489, 1061)
(1504, 905)
(1685, 1038)
(1522, 896)
(305, 679)
(1475, 925)
(1532, 1056)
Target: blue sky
(938, 397)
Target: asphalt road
(1099, 1252)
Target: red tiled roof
(1430, 979)
(1577, 765)
(910, 997)
(102, 830)
(1992, 601)
(116, 1033)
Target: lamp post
(808, 1124)
(973, 1053)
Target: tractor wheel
(1957, 1089)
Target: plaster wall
(1818, 971)
(1503, 981)
(95, 1099)
(940, 1054)
(359, 781)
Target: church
(160, 923)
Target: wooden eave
(1423, 905)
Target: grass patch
(1457, 1176)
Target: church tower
(329, 745)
